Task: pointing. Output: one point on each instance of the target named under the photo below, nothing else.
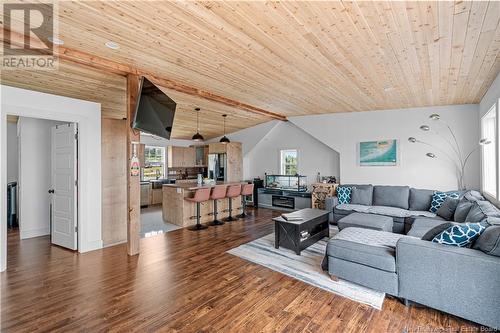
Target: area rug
(306, 268)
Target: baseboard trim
(25, 234)
(113, 244)
(91, 246)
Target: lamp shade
(198, 137)
(224, 139)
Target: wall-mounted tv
(155, 111)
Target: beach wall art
(378, 153)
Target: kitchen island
(181, 212)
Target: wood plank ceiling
(297, 58)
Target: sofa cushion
(394, 212)
(463, 208)
(439, 197)
(344, 194)
(362, 195)
(368, 221)
(480, 210)
(366, 247)
(420, 199)
(393, 196)
(350, 208)
(489, 241)
(461, 235)
(447, 209)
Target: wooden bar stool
(232, 192)
(246, 190)
(201, 195)
(218, 192)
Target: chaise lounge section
(457, 280)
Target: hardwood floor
(183, 281)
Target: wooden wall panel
(114, 181)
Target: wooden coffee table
(287, 234)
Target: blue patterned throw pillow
(344, 194)
(461, 235)
(439, 197)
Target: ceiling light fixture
(388, 88)
(198, 137)
(55, 41)
(112, 45)
(224, 139)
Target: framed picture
(378, 153)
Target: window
(154, 163)
(289, 162)
(489, 158)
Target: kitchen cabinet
(189, 157)
(201, 155)
(157, 196)
(181, 157)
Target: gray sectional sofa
(405, 263)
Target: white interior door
(64, 186)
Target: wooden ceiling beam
(122, 69)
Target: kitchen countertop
(194, 185)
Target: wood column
(133, 182)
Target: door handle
(51, 191)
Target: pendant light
(198, 136)
(224, 139)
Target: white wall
(314, 156)
(344, 131)
(34, 176)
(27, 103)
(12, 153)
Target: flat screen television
(155, 111)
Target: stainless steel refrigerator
(217, 167)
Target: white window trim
(164, 157)
(488, 196)
(280, 161)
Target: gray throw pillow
(462, 210)
(489, 241)
(362, 195)
(472, 195)
(480, 210)
(429, 235)
(420, 199)
(447, 209)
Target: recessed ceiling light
(388, 88)
(55, 41)
(112, 45)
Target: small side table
(321, 191)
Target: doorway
(26, 103)
(42, 164)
